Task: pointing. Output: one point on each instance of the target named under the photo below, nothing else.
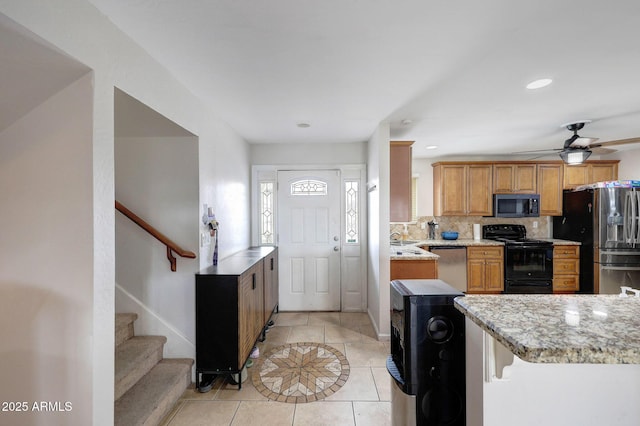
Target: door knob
(336, 248)
(336, 238)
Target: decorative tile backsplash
(464, 226)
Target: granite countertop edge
(462, 242)
(473, 242)
(547, 352)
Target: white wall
(378, 222)
(305, 153)
(629, 160)
(225, 176)
(157, 179)
(76, 28)
(424, 197)
(46, 252)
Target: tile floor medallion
(301, 372)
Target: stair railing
(171, 246)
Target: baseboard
(151, 324)
(382, 337)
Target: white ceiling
(458, 70)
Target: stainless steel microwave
(516, 205)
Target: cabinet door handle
(253, 281)
(272, 263)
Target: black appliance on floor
(528, 263)
(606, 222)
(427, 360)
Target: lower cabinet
(271, 288)
(485, 269)
(566, 268)
(232, 309)
(414, 269)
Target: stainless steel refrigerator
(606, 221)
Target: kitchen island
(552, 359)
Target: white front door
(309, 240)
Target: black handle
(253, 281)
(271, 263)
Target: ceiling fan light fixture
(539, 84)
(575, 156)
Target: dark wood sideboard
(234, 303)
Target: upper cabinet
(400, 181)
(462, 189)
(550, 189)
(467, 188)
(589, 172)
(514, 178)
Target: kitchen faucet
(394, 233)
(433, 225)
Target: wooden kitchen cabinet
(485, 269)
(414, 269)
(462, 189)
(514, 178)
(466, 188)
(250, 310)
(590, 172)
(400, 181)
(230, 309)
(566, 268)
(271, 288)
(550, 189)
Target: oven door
(528, 263)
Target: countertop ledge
(413, 251)
(459, 242)
(472, 242)
(578, 329)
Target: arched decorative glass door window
(309, 187)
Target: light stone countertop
(412, 251)
(459, 242)
(583, 329)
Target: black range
(528, 263)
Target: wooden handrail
(171, 246)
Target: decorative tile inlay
(301, 372)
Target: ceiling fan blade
(542, 155)
(540, 151)
(615, 142)
(601, 151)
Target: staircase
(146, 385)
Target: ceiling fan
(577, 149)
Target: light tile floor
(363, 401)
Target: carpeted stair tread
(155, 394)
(134, 358)
(124, 327)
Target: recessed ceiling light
(406, 122)
(303, 125)
(432, 147)
(538, 84)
